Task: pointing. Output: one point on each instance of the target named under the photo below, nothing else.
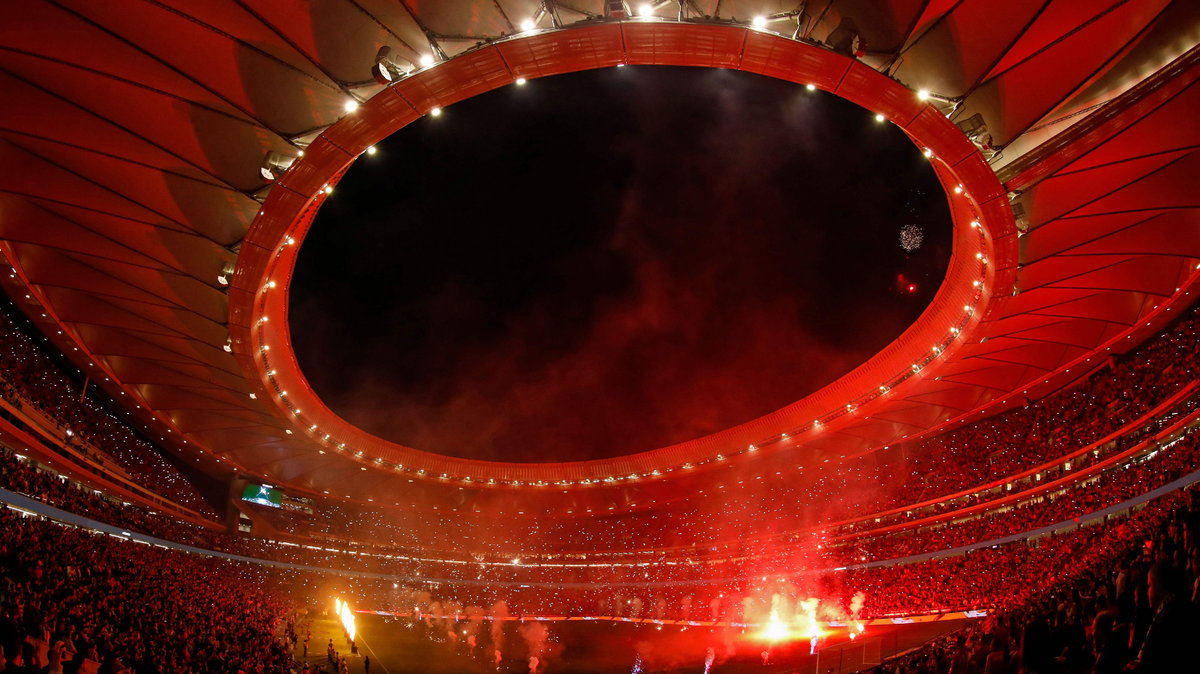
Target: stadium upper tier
(142, 235)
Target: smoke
(635, 607)
(474, 624)
(699, 297)
(450, 613)
(434, 614)
(806, 617)
(537, 644)
(856, 604)
(499, 617)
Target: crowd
(71, 597)
(1120, 483)
(29, 376)
(1136, 610)
(22, 477)
(1003, 578)
(73, 600)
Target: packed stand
(1136, 611)
(29, 376)
(78, 596)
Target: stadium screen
(263, 495)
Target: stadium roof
(142, 235)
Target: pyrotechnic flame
(776, 629)
(347, 618)
(808, 618)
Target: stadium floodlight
(387, 69)
(927, 95)
(274, 165)
(382, 74)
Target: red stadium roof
(134, 131)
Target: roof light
(759, 22)
(435, 112)
(521, 81)
(350, 105)
(810, 86)
(879, 117)
(923, 95)
(370, 150)
(426, 60)
(528, 24)
(645, 9)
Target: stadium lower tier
(75, 595)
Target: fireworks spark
(911, 237)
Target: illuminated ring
(983, 258)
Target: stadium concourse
(1009, 485)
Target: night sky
(607, 262)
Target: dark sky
(607, 262)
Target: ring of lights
(984, 250)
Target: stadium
(600, 336)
